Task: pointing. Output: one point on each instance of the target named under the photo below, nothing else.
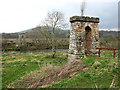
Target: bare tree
(53, 21)
(83, 7)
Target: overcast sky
(19, 15)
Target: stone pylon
(84, 37)
(21, 40)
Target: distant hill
(10, 35)
(40, 32)
(101, 33)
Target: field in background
(37, 41)
(19, 65)
(34, 44)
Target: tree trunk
(53, 43)
(53, 52)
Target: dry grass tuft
(13, 61)
(50, 74)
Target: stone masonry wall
(77, 36)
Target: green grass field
(17, 65)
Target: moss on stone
(84, 19)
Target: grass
(98, 76)
(17, 65)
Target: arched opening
(88, 40)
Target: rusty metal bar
(108, 49)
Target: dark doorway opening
(88, 40)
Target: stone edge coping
(84, 19)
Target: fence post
(99, 52)
(114, 54)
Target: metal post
(114, 54)
(99, 52)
